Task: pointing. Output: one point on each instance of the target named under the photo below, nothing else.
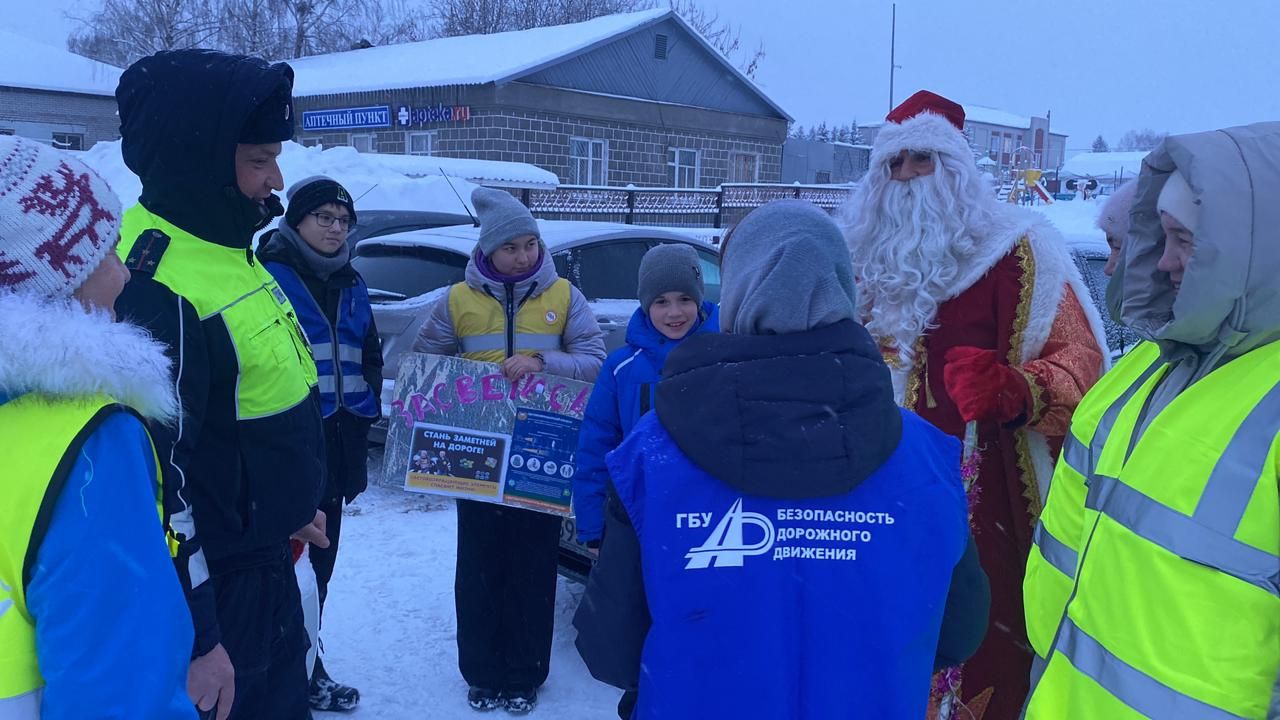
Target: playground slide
(1043, 194)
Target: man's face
(911, 164)
(1179, 244)
(257, 172)
(1113, 242)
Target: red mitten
(983, 388)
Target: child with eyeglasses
(309, 256)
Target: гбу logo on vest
(801, 533)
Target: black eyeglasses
(325, 220)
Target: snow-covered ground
(1076, 220)
(389, 622)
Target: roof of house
(986, 116)
(26, 63)
(479, 59)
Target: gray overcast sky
(1101, 66)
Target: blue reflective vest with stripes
(338, 349)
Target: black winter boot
(520, 701)
(483, 699)
(325, 694)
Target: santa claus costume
(986, 324)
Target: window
(68, 141)
(684, 166)
(362, 143)
(421, 143)
(310, 142)
(587, 162)
(660, 47)
(995, 144)
(710, 264)
(609, 269)
(822, 177)
(396, 272)
(744, 168)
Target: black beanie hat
(272, 120)
(308, 194)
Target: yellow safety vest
(480, 322)
(276, 370)
(1174, 608)
(1051, 565)
(43, 437)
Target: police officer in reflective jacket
(309, 256)
(243, 467)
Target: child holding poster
(514, 310)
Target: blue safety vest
(338, 350)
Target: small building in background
(54, 96)
(818, 162)
(633, 99)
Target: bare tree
(122, 31)
(722, 35)
(1144, 139)
(483, 17)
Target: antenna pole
(893, 39)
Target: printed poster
(541, 464)
(453, 430)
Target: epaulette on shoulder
(147, 251)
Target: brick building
(55, 96)
(635, 99)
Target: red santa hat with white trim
(925, 121)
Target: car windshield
(396, 272)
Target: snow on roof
(1104, 165)
(465, 60)
(992, 116)
(378, 182)
(25, 63)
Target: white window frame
(733, 166)
(53, 140)
(309, 142)
(431, 142)
(578, 163)
(674, 162)
(994, 145)
(356, 137)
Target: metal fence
(720, 207)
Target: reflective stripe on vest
(43, 438)
(480, 321)
(1051, 564)
(341, 383)
(276, 372)
(1175, 611)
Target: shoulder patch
(145, 255)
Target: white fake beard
(907, 246)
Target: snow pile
(1076, 220)
(25, 63)
(466, 60)
(992, 116)
(1104, 166)
(378, 182)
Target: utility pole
(893, 37)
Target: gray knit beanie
(672, 267)
(787, 270)
(502, 218)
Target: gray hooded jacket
(1229, 301)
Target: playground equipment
(1085, 188)
(1030, 182)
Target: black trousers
(260, 613)
(323, 561)
(505, 593)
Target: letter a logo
(726, 547)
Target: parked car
(407, 271)
(377, 223)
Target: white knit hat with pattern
(58, 219)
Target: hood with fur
(57, 348)
(1229, 302)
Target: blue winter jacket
(799, 536)
(113, 633)
(622, 394)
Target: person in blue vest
(801, 542)
(309, 256)
(671, 309)
(93, 622)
